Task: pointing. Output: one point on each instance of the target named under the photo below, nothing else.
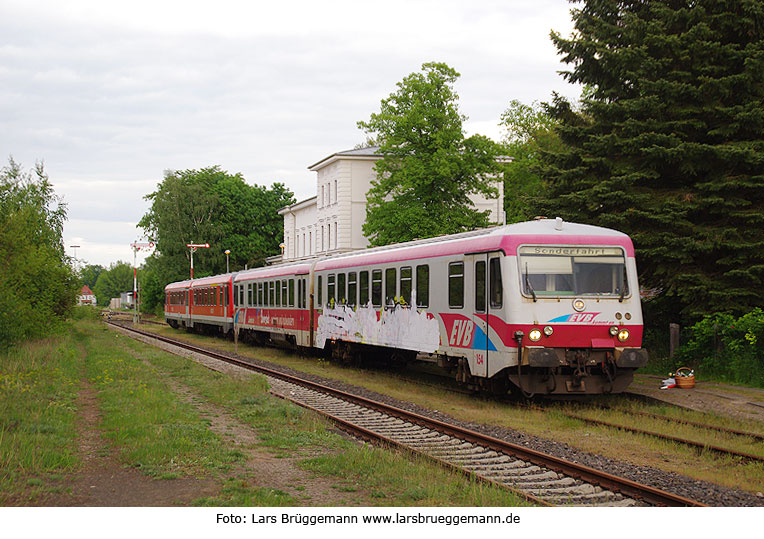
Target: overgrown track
(700, 446)
(539, 477)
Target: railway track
(538, 477)
(700, 446)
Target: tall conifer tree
(670, 147)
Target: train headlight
(534, 334)
(548, 331)
(613, 331)
(579, 305)
(623, 335)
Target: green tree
(215, 207)
(88, 274)
(37, 284)
(670, 148)
(428, 168)
(114, 281)
(530, 132)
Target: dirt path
(260, 467)
(721, 399)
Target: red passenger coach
(176, 304)
(272, 303)
(203, 303)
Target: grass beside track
(634, 448)
(148, 425)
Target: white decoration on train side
(400, 327)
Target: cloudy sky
(109, 94)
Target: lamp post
(227, 252)
(194, 247)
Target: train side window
(249, 294)
(497, 290)
(272, 287)
(352, 288)
(363, 298)
(341, 298)
(320, 290)
(235, 295)
(405, 285)
(299, 293)
(277, 285)
(284, 292)
(376, 288)
(390, 285)
(291, 292)
(304, 293)
(480, 286)
(456, 285)
(330, 295)
(423, 285)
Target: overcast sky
(109, 94)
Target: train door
(303, 318)
(476, 310)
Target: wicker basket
(686, 381)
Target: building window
(335, 191)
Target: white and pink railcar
(543, 307)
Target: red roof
(86, 291)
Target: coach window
(273, 293)
(423, 285)
(497, 290)
(390, 285)
(284, 292)
(320, 290)
(249, 294)
(456, 285)
(277, 293)
(330, 294)
(406, 284)
(299, 293)
(304, 293)
(364, 289)
(352, 288)
(376, 288)
(291, 292)
(480, 286)
(341, 298)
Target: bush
(728, 348)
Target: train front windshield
(548, 270)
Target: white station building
(331, 222)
